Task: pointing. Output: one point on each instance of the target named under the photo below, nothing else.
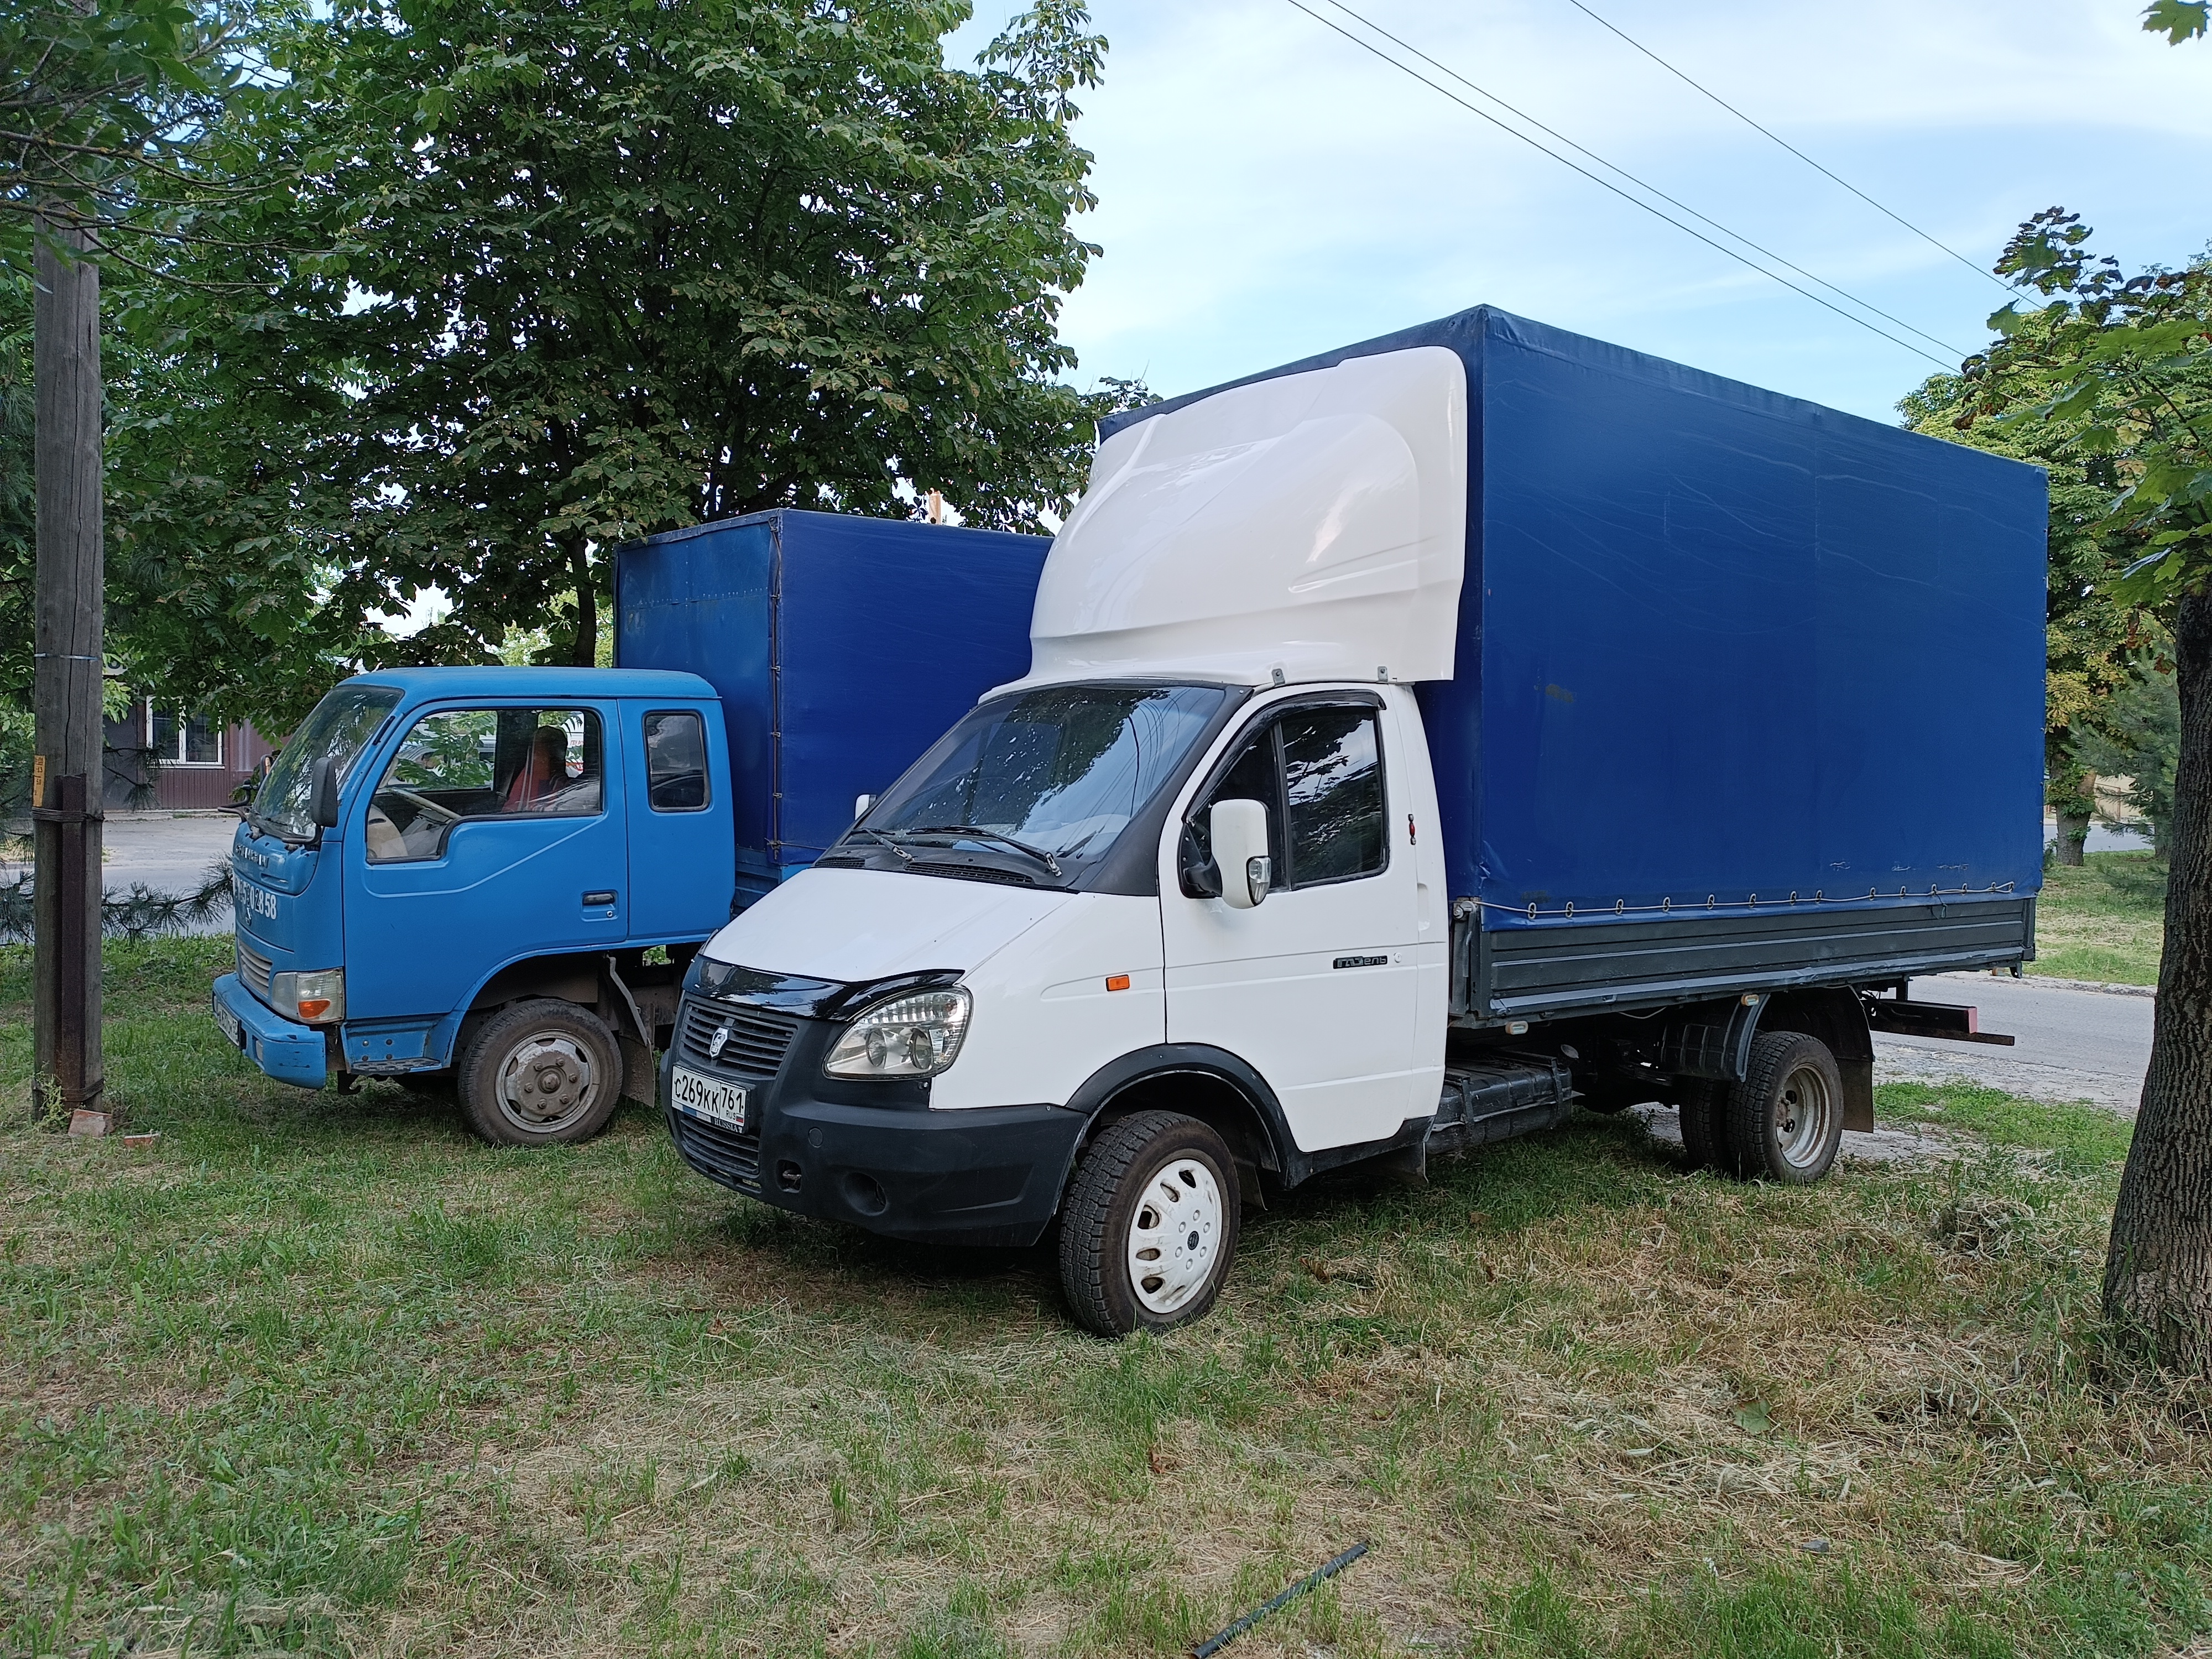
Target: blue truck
(1418, 741)
(492, 878)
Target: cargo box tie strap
(1667, 907)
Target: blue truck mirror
(323, 795)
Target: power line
(1369, 46)
(1978, 270)
(1641, 184)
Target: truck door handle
(593, 900)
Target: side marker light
(1117, 981)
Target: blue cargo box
(1720, 647)
(841, 648)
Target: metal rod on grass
(1328, 1569)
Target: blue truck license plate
(708, 1098)
(228, 1021)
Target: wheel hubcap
(548, 1082)
(1803, 1108)
(1176, 1235)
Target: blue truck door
(683, 846)
(496, 832)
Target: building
(162, 758)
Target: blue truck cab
(493, 878)
(438, 843)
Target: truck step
(1513, 1095)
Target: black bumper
(878, 1156)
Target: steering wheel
(423, 805)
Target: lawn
(2104, 921)
(323, 1373)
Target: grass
(325, 1375)
(2103, 920)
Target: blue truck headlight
(908, 1036)
(317, 999)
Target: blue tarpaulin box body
(841, 647)
(1717, 644)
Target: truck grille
(253, 971)
(752, 1053)
(733, 1160)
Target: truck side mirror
(1239, 833)
(323, 794)
(861, 806)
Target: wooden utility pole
(66, 774)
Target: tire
(1700, 1103)
(1784, 1121)
(540, 1073)
(1120, 1268)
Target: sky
(1267, 189)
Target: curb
(2055, 983)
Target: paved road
(165, 853)
(2072, 1045)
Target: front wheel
(1150, 1225)
(540, 1073)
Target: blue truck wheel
(540, 1073)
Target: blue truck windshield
(339, 727)
(1054, 773)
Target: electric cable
(1708, 92)
(1370, 48)
(1641, 184)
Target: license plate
(708, 1098)
(229, 1021)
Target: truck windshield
(339, 727)
(1050, 774)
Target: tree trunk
(66, 682)
(585, 653)
(2073, 831)
(2158, 1274)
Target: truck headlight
(916, 1036)
(318, 998)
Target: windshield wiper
(976, 832)
(884, 836)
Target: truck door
(490, 836)
(683, 846)
(1315, 987)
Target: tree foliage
(611, 270)
(445, 300)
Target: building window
(179, 740)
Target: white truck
(1417, 741)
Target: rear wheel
(1149, 1227)
(1784, 1121)
(540, 1073)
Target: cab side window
(462, 763)
(1332, 785)
(1319, 773)
(676, 761)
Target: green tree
(2121, 367)
(615, 270)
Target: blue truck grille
(752, 1052)
(254, 972)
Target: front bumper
(877, 1155)
(284, 1049)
